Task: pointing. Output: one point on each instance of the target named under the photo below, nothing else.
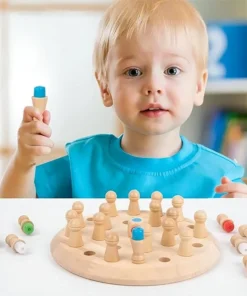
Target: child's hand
(231, 189)
(34, 136)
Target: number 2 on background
(217, 47)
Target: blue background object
(137, 233)
(136, 219)
(39, 92)
(227, 50)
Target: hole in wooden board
(197, 245)
(90, 219)
(165, 259)
(89, 253)
(125, 222)
(191, 226)
(119, 247)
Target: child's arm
(33, 141)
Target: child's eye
(133, 72)
(172, 71)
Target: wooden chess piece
(105, 209)
(168, 237)
(26, 224)
(172, 213)
(79, 208)
(226, 223)
(240, 243)
(185, 248)
(71, 214)
(75, 236)
(134, 222)
(111, 197)
(134, 209)
(148, 238)
(137, 243)
(156, 195)
(99, 227)
(16, 244)
(243, 230)
(111, 252)
(177, 203)
(154, 214)
(200, 230)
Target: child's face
(151, 72)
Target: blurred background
(50, 43)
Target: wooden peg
(148, 238)
(134, 222)
(154, 214)
(245, 261)
(172, 213)
(243, 230)
(26, 224)
(168, 237)
(111, 252)
(185, 246)
(75, 237)
(156, 195)
(111, 198)
(16, 244)
(226, 223)
(71, 214)
(79, 208)
(200, 230)
(137, 243)
(177, 203)
(105, 209)
(134, 209)
(240, 243)
(99, 227)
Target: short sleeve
(53, 179)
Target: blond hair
(124, 18)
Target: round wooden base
(162, 266)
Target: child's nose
(153, 87)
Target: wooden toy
(17, 244)
(243, 230)
(152, 255)
(240, 243)
(226, 223)
(245, 261)
(26, 224)
(39, 98)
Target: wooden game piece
(226, 223)
(156, 195)
(185, 248)
(26, 224)
(240, 243)
(245, 261)
(134, 208)
(71, 214)
(168, 236)
(200, 230)
(243, 230)
(105, 209)
(154, 214)
(177, 203)
(111, 252)
(75, 236)
(137, 243)
(16, 244)
(172, 213)
(99, 227)
(111, 197)
(134, 222)
(79, 208)
(39, 98)
(147, 238)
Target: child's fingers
(46, 117)
(225, 180)
(30, 112)
(232, 187)
(235, 195)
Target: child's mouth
(153, 112)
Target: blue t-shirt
(96, 164)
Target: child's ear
(105, 94)
(201, 88)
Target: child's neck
(155, 146)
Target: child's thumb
(46, 117)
